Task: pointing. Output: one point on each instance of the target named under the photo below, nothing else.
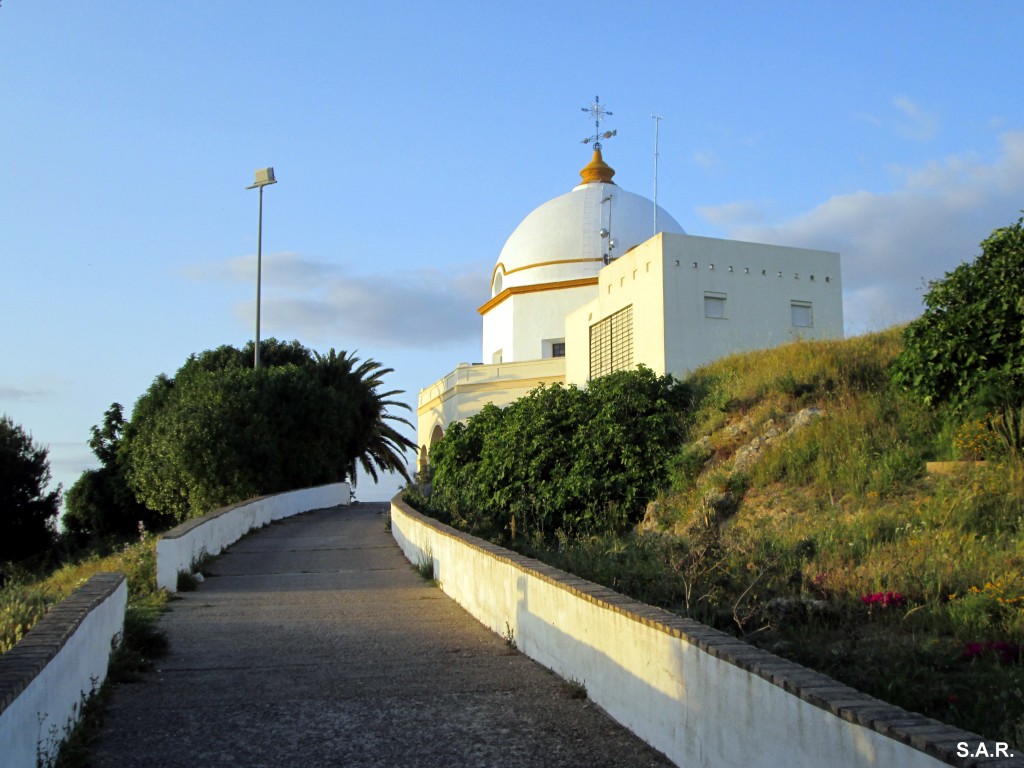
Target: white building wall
(759, 284)
(521, 323)
(666, 281)
(497, 335)
(634, 279)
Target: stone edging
(937, 739)
(23, 663)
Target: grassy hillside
(25, 600)
(800, 517)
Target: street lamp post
(264, 178)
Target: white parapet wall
(180, 548)
(698, 695)
(46, 677)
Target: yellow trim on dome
(580, 283)
(538, 264)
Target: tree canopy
(562, 458)
(100, 505)
(27, 511)
(219, 431)
(970, 337)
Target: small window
(496, 289)
(552, 348)
(801, 314)
(714, 305)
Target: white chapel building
(599, 279)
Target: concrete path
(314, 643)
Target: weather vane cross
(599, 113)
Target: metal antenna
(609, 255)
(599, 113)
(657, 125)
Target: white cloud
(16, 393)
(323, 301)
(891, 242)
(915, 122)
(911, 120)
(739, 213)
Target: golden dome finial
(597, 170)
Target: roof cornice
(580, 283)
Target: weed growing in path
(574, 689)
(425, 566)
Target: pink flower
(972, 650)
(1008, 652)
(884, 599)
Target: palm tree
(379, 446)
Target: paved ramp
(316, 644)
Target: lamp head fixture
(264, 177)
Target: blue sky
(409, 139)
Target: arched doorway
(424, 458)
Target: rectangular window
(801, 314)
(714, 305)
(611, 343)
(552, 348)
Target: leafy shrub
(972, 327)
(100, 508)
(562, 458)
(220, 432)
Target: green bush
(971, 335)
(220, 432)
(562, 458)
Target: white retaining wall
(179, 548)
(61, 660)
(700, 696)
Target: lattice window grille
(611, 343)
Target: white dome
(561, 240)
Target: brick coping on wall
(926, 734)
(23, 663)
